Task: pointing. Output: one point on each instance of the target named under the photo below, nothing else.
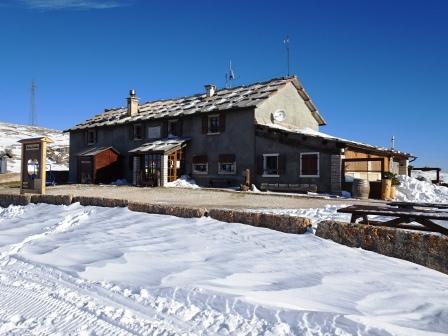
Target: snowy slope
(103, 271)
(57, 152)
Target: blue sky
(373, 68)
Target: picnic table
(402, 215)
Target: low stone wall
(161, 209)
(100, 201)
(52, 199)
(288, 224)
(7, 199)
(426, 249)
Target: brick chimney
(210, 89)
(132, 103)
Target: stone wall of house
(426, 249)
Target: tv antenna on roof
(230, 76)
(33, 116)
(286, 43)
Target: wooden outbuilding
(99, 165)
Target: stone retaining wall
(167, 210)
(52, 199)
(288, 224)
(426, 249)
(100, 201)
(6, 200)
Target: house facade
(270, 128)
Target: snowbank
(413, 190)
(105, 268)
(184, 181)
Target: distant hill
(10, 134)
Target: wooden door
(172, 167)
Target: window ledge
(309, 175)
(224, 173)
(200, 173)
(266, 175)
(215, 133)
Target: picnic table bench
(402, 215)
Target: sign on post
(33, 168)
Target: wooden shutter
(281, 164)
(86, 137)
(180, 126)
(200, 159)
(260, 160)
(131, 132)
(309, 164)
(204, 124)
(164, 130)
(226, 158)
(222, 122)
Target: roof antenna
(392, 140)
(33, 115)
(286, 43)
(230, 76)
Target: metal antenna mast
(33, 116)
(286, 43)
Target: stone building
(271, 128)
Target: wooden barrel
(360, 189)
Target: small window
(200, 164)
(309, 164)
(227, 164)
(200, 168)
(138, 132)
(213, 124)
(91, 137)
(270, 165)
(173, 128)
(153, 132)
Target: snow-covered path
(99, 271)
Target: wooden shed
(99, 165)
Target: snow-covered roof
(163, 145)
(224, 99)
(349, 143)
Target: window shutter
(309, 164)
(222, 122)
(180, 126)
(86, 137)
(131, 132)
(164, 130)
(204, 124)
(281, 164)
(260, 164)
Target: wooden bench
(402, 215)
(413, 205)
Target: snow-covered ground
(10, 134)
(110, 271)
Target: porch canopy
(161, 146)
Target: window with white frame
(227, 164)
(173, 128)
(213, 124)
(270, 165)
(91, 137)
(200, 164)
(309, 164)
(138, 132)
(153, 132)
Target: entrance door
(85, 170)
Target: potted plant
(386, 185)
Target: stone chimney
(132, 103)
(210, 89)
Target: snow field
(106, 271)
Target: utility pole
(33, 116)
(286, 43)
